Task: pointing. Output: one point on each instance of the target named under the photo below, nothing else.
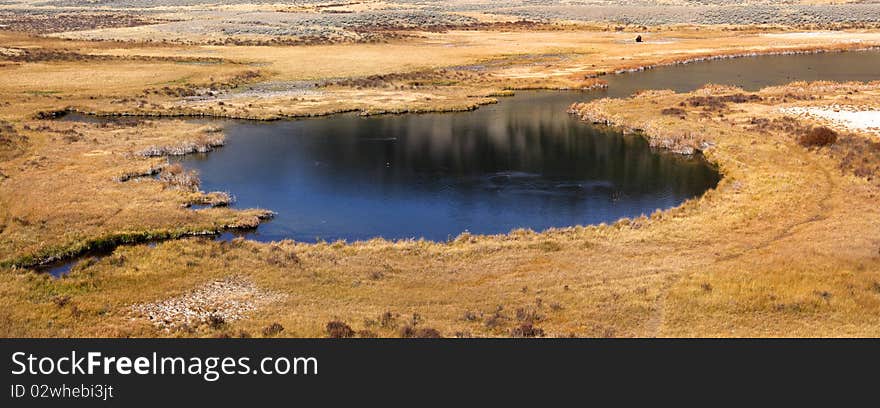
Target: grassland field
(788, 244)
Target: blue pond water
(522, 163)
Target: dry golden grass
(66, 193)
(787, 245)
(477, 64)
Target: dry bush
(497, 319)
(797, 97)
(409, 331)
(806, 136)
(7, 132)
(784, 124)
(61, 300)
(859, 156)
(11, 142)
(54, 22)
(178, 177)
(216, 321)
(388, 320)
(741, 98)
(367, 334)
(528, 315)
(527, 330)
(717, 103)
(817, 137)
(339, 330)
(272, 330)
(281, 257)
(673, 111)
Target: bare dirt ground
(787, 245)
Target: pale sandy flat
(846, 117)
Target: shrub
(216, 321)
(376, 275)
(527, 330)
(339, 330)
(817, 137)
(388, 320)
(272, 329)
(118, 260)
(528, 315)
(176, 176)
(673, 111)
(715, 103)
(497, 319)
(281, 257)
(409, 331)
(61, 300)
(367, 334)
(708, 103)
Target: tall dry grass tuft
(176, 176)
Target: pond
(521, 163)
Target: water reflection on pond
(521, 163)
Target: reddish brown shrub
(338, 330)
(272, 330)
(367, 334)
(526, 330)
(673, 111)
(817, 137)
(409, 332)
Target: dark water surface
(522, 163)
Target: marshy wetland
(538, 209)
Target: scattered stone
(214, 304)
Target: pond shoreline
(53, 259)
(490, 98)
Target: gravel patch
(214, 304)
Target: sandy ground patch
(853, 118)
